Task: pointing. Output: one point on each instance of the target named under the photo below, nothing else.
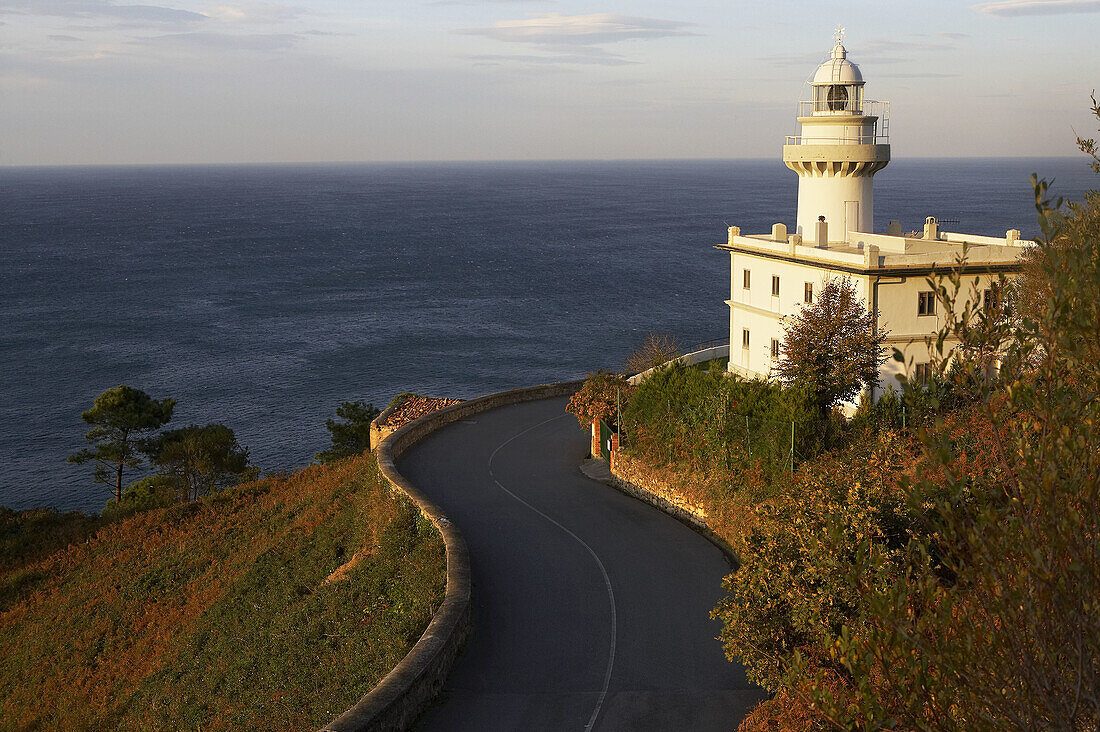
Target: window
(808, 297)
(926, 303)
(921, 372)
(775, 349)
(745, 338)
(775, 285)
(746, 278)
(991, 298)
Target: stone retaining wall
(632, 477)
(400, 697)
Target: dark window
(921, 372)
(809, 295)
(747, 273)
(745, 338)
(926, 303)
(992, 299)
(838, 97)
(775, 285)
(775, 349)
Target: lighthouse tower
(844, 142)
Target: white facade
(774, 275)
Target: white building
(844, 142)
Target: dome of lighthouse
(838, 69)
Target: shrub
(154, 491)
(717, 423)
(794, 592)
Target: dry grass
(216, 614)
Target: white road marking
(603, 570)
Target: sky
(183, 81)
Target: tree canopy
(599, 398)
(201, 459)
(122, 417)
(352, 435)
(832, 348)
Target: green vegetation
(197, 460)
(735, 432)
(122, 417)
(988, 617)
(154, 491)
(274, 604)
(193, 461)
(352, 435)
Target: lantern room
(837, 85)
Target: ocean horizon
(263, 295)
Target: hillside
(276, 604)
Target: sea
(263, 296)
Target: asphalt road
(591, 609)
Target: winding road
(591, 609)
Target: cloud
(93, 9)
(1038, 7)
(593, 56)
(809, 59)
(558, 29)
(63, 38)
(925, 75)
(227, 41)
(478, 2)
(876, 51)
(252, 12)
(22, 81)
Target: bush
(154, 491)
(716, 423)
(794, 592)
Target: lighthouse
(843, 142)
(776, 274)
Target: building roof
(838, 69)
(885, 254)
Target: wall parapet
(379, 430)
(406, 691)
